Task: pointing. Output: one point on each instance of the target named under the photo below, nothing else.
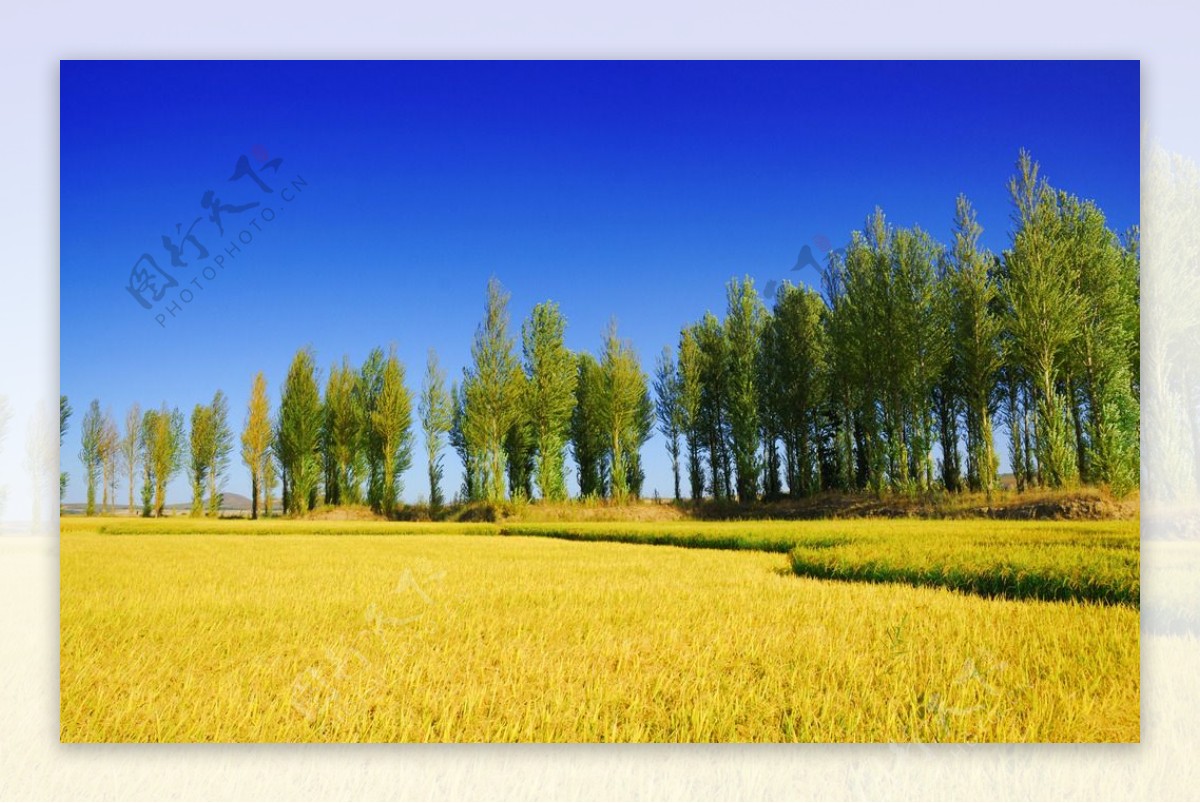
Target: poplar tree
(976, 342)
(165, 452)
(222, 446)
(1045, 314)
(667, 410)
(623, 390)
(519, 452)
(589, 437)
(491, 394)
(130, 448)
(392, 423)
(551, 374)
(366, 398)
(90, 452)
(110, 454)
(256, 443)
(798, 364)
(203, 451)
(436, 410)
(713, 412)
(688, 382)
(341, 436)
(64, 414)
(743, 333)
(470, 484)
(299, 436)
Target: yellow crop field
(285, 631)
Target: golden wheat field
(182, 631)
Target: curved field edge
(1095, 562)
(482, 639)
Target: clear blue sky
(626, 189)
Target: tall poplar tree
(256, 442)
(436, 410)
(392, 423)
(667, 410)
(299, 435)
(91, 450)
(551, 373)
(623, 391)
(1045, 314)
(491, 394)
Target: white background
(32, 40)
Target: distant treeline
(910, 345)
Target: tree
(163, 454)
(552, 375)
(341, 436)
(222, 447)
(366, 399)
(977, 343)
(256, 441)
(797, 366)
(269, 472)
(623, 388)
(130, 447)
(643, 428)
(743, 332)
(91, 450)
(392, 422)
(203, 450)
(491, 395)
(667, 409)
(299, 437)
(1045, 314)
(436, 410)
(470, 484)
(713, 411)
(588, 437)
(1105, 408)
(110, 460)
(64, 414)
(688, 379)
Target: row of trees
(911, 347)
(511, 419)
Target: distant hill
(230, 503)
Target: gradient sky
(626, 189)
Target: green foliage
(164, 452)
(622, 407)
(668, 409)
(256, 445)
(90, 451)
(342, 437)
(551, 371)
(203, 450)
(689, 381)
(436, 410)
(743, 333)
(391, 421)
(64, 413)
(976, 339)
(299, 438)
(796, 364)
(1045, 313)
(589, 442)
(491, 396)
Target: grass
(1087, 561)
(225, 635)
(1057, 561)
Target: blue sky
(626, 189)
